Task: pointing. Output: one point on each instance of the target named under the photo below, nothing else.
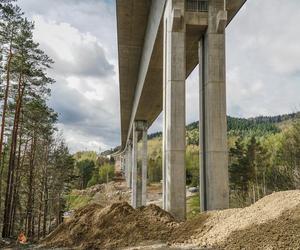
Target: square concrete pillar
(121, 164)
(174, 109)
(214, 184)
(134, 167)
(126, 165)
(144, 164)
(129, 165)
(139, 163)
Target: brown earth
(271, 223)
(118, 225)
(106, 194)
(280, 233)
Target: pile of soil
(113, 192)
(106, 194)
(118, 225)
(271, 223)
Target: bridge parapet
(196, 5)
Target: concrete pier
(214, 191)
(144, 163)
(174, 108)
(129, 165)
(122, 164)
(126, 166)
(134, 194)
(139, 163)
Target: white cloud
(75, 53)
(263, 59)
(263, 65)
(86, 94)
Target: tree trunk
(17, 183)
(5, 104)
(264, 183)
(40, 215)
(45, 215)
(30, 199)
(11, 166)
(1, 179)
(46, 195)
(253, 191)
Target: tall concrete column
(164, 175)
(129, 165)
(214, 191)
(126, 166)
(121, 164)
(174, 108)
(139, 163)
(134, 166)
(202, 169)
(144, 163)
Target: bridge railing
(196, 5)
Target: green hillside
(260, 125)
(264, 155)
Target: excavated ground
(106, 194)
(118, 225)
(271, 223)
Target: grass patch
(77, 201)
(193, 206)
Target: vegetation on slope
(264, 156)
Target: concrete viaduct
(160, 42)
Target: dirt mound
(271, 223)
(118, 225)
(280, 233)
(90, 191)
(112, 192)
(105, 194)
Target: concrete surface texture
(139, 165)
(174, 109)
(213, 125)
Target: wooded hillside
(264, 156)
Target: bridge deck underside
(132, 18)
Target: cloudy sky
(263, 65)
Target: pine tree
(28, 67)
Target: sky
(263, 65)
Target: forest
(36, 166)
(37, 170)
(264, 156)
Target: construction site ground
(107, 221)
